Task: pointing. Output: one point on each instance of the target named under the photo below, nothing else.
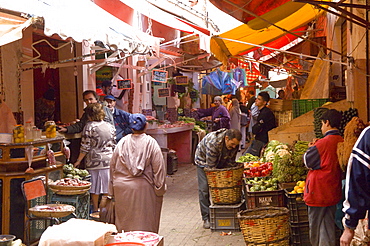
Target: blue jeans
(203, 190)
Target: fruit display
(264, 184)
(18, 134)
(74, 173)
(257, 169)
(299, 187)
(247, 158)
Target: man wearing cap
(121, 118)
(138, 176)
(89, 96)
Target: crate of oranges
(296, 205)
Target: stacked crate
(302, 106)
(298, 219)
(224, 217)
(226, 197)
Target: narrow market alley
(181, 223)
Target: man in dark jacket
(323, 189)
(89, 96)
(265, 122)
(121, 118)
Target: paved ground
(181, 222)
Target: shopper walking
(138, 176)
(323, 184)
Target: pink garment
(137, 182)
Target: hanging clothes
(218, 83)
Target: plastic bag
(107, 210)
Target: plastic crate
(223, 217)
(300, 234)
(297, 207)
(302, 106)
(259, 199)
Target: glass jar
(18, 134)
(50, 129)
(28, 133)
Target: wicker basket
(69, 187)
(225, 177)
(265, 226)
(225, 184)
(69, 192)
(43, 210)
(226, 195)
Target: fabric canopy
(288, 16)
(11, 27)
(83, 20)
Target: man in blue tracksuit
(357, 190)
(121, 118)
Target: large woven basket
(225, 177)
(225, 184)
(226, 195)
(265, 226)
(47, 210)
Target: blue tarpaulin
(218, 83)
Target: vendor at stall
(89, 96)
(217, 149)
(220, 115)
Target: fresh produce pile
(199, 125)
(71, 182)
(247, 158)
(264, 184)
(275, 150)
(299, 187)
(347, 117)
(74, 173)
(257, 169)
(290, 168)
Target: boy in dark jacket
(323, 184)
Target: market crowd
(111, 147)
(112, 141)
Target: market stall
(176, 137)
(13, 166)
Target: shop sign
(181, 80)
(164, 92)
(159, 76)
(124, 84)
